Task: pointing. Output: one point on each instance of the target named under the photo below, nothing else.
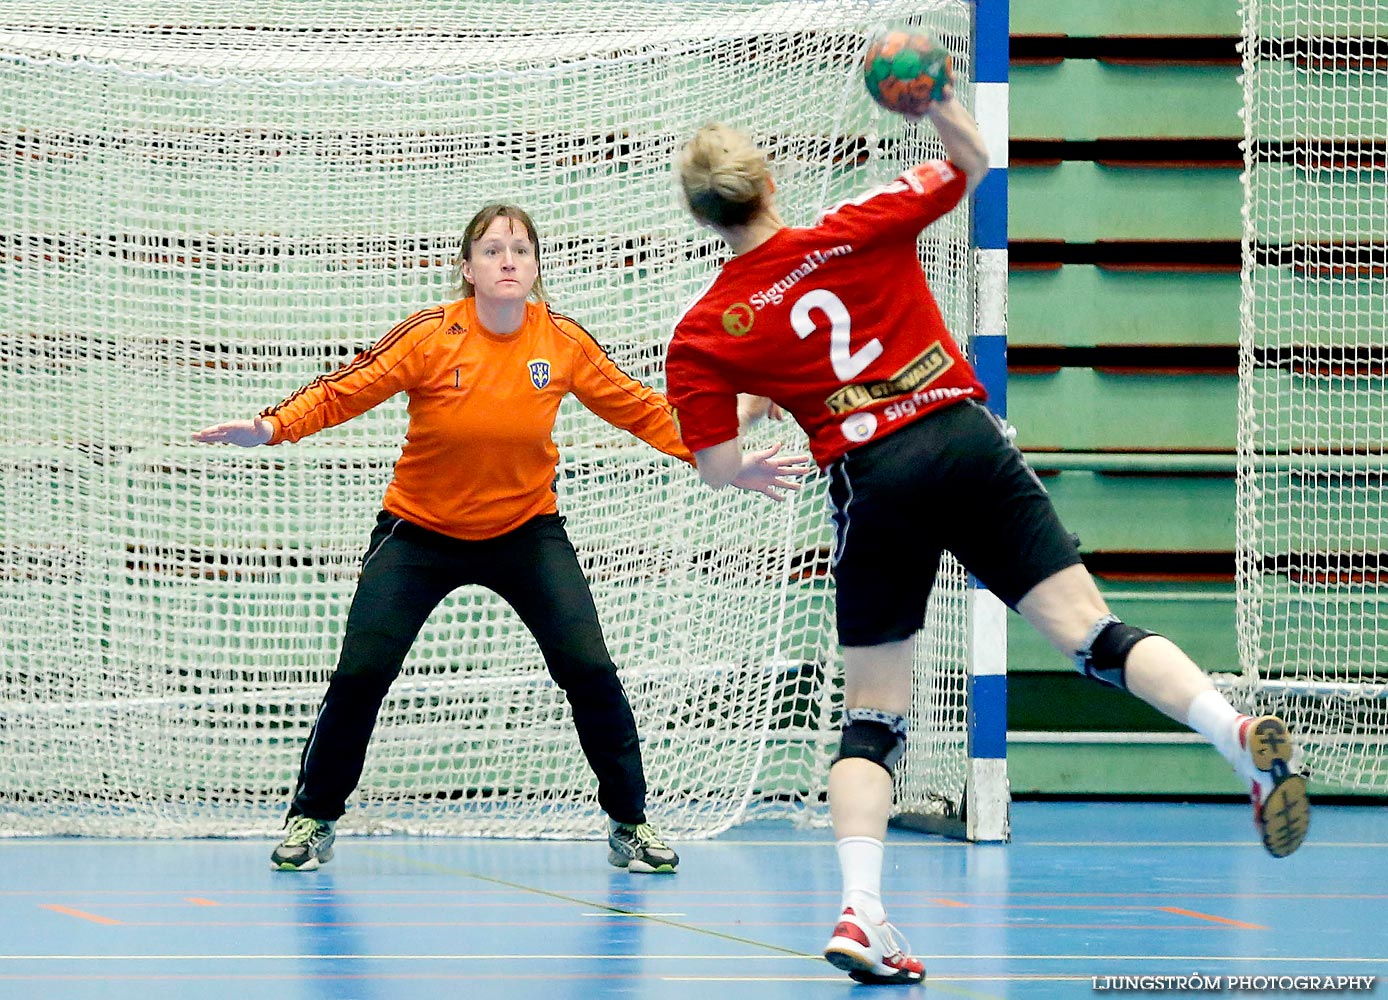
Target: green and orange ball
(906, 71)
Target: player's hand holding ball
(906, 72)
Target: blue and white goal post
(988, 795)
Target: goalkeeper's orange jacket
(479, 458)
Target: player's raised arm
(910, 74)
(963, 142)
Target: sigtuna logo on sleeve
(738, 319)
(539, 372)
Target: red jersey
(834, 322)
(479, 458)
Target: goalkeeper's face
(502, 264)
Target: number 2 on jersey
(848, 364)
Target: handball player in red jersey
(835, 324)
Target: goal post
(209, 204)
(1312, 523)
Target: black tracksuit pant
(406, 572)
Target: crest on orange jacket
(539, 373)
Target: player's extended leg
(1069, 611)
(877, 698)
(540, 578)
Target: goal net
(209, 204)
(1313, 411)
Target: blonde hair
(724, 175)
(474, 230)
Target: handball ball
(906, 72)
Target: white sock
(1214, 718)
(860, 860)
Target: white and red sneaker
(868, 952)
(1281, 807)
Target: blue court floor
(1084, 890)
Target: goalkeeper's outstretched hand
(771, 473)
(246, 433)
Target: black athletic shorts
(951, 481)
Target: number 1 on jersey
(848, 364)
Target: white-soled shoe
(868, 951)
(1281, 806)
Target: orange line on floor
(950, 902)
(67, 911)
(1207, 916)
(199, 901)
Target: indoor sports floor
(1084, 890)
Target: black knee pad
(875, 735)
(1104, 652)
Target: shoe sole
(639, 867)
(1270, 743)
(861, 972)
(1285, 814)
(311, 864)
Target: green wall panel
(1133, 768)
(1294, 205)
(1125, 17)
(1119, 769)
(1085, 99)
(1081, 202)
(1348, 313)
(1079, 409)
(1148, 513)
(1080, 306)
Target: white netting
(207, 205)
(1313, 405)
